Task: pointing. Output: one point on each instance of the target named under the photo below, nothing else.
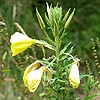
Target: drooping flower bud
(74, 74)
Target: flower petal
(16, 37)
(20, 43)
(33, 73)
(32, 67)
(32, 79)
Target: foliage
(12, 68)
(65, 78)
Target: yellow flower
(32, 75)
(74, 74)
(20, 42)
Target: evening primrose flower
(20, 42)
(74, 74)
(33, 74)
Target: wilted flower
(74, 74)
(32, 75)
(20, 42)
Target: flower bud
(74, 75)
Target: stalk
(57, 52)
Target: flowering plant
(62, 68)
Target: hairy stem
(57, 51)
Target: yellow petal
(32, 79)
(20, 42)
(33, 73)
(74, 75)
(32, 67)
(29, 69)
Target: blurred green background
(84, 26)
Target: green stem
(86, 98)
(57, 51)
(68, 94)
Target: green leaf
(42, 94)
(4, 55)
(64, 34)
(83, 75)
(41, 22)
(47, 19)
(63, 58)
(71, 49)
(69, 20)
(66, 16)
(61, 81)
(63, 88)
(65, 48)
(6, 70)
(92, 96)
(53, 97)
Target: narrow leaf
(90, 97)
(41, 22)
(69, 20)
(83, 75)
(65, 48)
(66, 16)
(47, 19)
